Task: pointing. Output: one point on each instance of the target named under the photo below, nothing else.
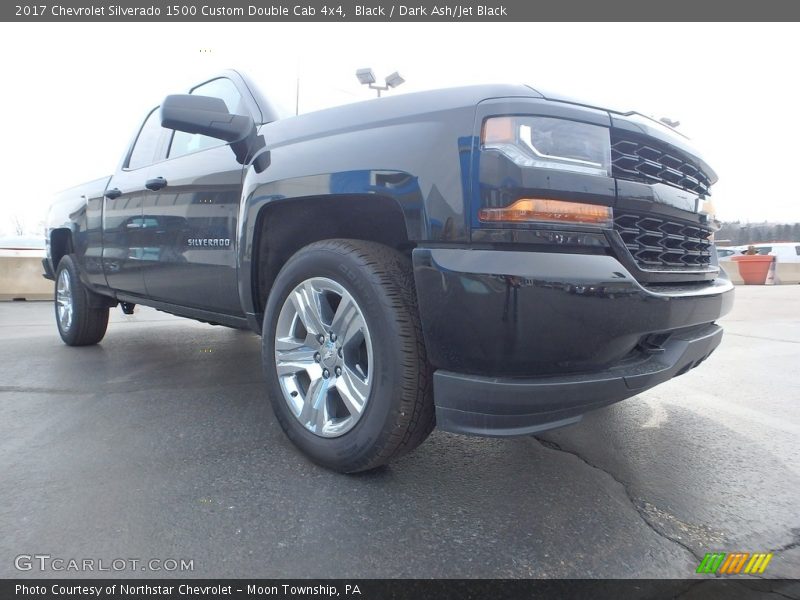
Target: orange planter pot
(753, 268)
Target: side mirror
(209, 116)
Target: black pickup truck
(495, 260)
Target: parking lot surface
(159, 443)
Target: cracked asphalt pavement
(159, 443)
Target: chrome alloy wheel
(64, 300)
(323, 357)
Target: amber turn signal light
(499, 130)
(527, 210)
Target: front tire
(343, 354)
(79, 324)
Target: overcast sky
(74, 93)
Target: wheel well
(60, 245)
(285, 227)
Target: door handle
(113, 193)
(156, 184)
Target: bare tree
(19, 225)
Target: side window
(224, 89)
(146, 144)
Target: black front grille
(650, 161)
(657, 242)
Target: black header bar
(394, 589)
(264, 11)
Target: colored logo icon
(734, 563)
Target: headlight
(548, 143)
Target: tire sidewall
(375, 425)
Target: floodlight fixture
(367, 77)
(394, 80)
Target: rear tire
(374, 402)
(79, 324)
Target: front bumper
(525, 341)
(515, 406)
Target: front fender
(421, 161)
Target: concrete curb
(21, 276)
(786, 273)
(732, 269)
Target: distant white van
(784, 251)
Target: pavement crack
(636, 503)
(795, 543)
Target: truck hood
(557, 97)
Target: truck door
(191, 222)
(123, 232)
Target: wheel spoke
(306, 302)
(347, 322)
(314, 413)
(289, 362)
(352, 390)
(283, 344)
(321, 415)
(346, 312)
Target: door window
(146, 144)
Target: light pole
(367, 77)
